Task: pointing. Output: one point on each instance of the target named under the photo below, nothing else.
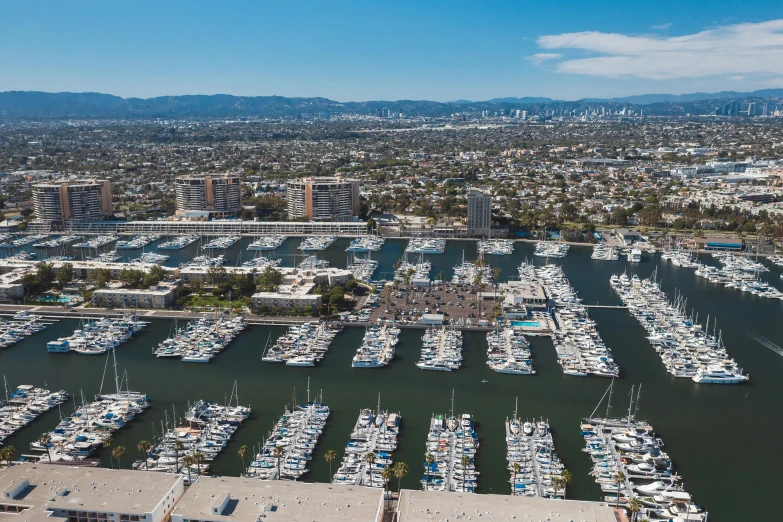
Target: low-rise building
(520, 298)
(223, 499)
(289, 295)
(162, 295)
(36, 492)
(11, 289)
(628, 237)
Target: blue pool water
(534, 324)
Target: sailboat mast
(116, 378)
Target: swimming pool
(530, 324)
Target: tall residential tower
(323, 199)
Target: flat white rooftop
(278, 500)
(434, 506)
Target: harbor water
(722, 439)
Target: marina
(418, 245)
(204, 260)
(21, 326)
(56, 242)
(580, 349)
(509, 352)
(221, 243)
(303, 345)
(551, 249)
(363, 269)
(476, 273)
(136, 242)
(96, 242)
(188, 444)
(532, 459)
(24, 405)
(441, 349)
(417, 273)
(267, 243)
(450, 459)
(685, 347)
(377, 349)
(369, 450)
(201, 340)
(99, 336)
(288, 449)
(314, 243)
(366, 244)
(179, 242)
(604, 252)
(313, 263)
(495, 247)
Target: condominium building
(325, 199)
(74, 201)
(479, 212)
(208, 195)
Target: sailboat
(119, 394)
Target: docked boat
(377, 349)
(365, 244)
(265, 243)
(441, 349)
(419, 245)
(314, 243)
(179, 242)
(221, 243)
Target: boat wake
(765, 342)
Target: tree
(198, 460)
(329, 457)
(9, 454)
(100, 276)
(269, 280)
(107, 442)
(131, 278)
(465, 461)
(619, 479)
(516, 468)
(29, 283)
(430, 459)
(400, 470)
(557, 485)
(178, 447)
(154, 276)
(46, 274)
(370, 460)
(242, 453)
(217, 275)
(634, 506)
(118, 453)
(65, 274)
(566, 477)
(278, 453)
(144, 448)
(45, 440)
(187, 461)
(387, 474)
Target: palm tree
(9, 454)
(198, 459)
(557, 485)
(278, 453)
(516, 468)
(465, 461)
(187, 461)
(242, 453)
(118, 453)
(566, 476)
(634, 506)
(370, 460)
(144, 448)
(387, 474)
(44, 440)
(619, 479)
(329, 457)
(107, 442)
(400, 469)
(430, 459)
(178, 446)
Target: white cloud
(741, 49)
(661, 27)
(542, 57)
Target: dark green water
(723, 440)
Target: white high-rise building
(479, 212)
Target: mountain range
(43, 105)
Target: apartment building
(74, 201)
(208, 195)
(323, 199)
(479, 212)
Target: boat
(179, 242)
(313, 243)
(267, 243)
(365, 244)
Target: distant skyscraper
(78, 201)
(479, 212)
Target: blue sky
(365, 50)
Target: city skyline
(348, 51)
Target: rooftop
(82, 489)
(415, 506)
(278, 500)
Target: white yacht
(635, 256)
(267, 243)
